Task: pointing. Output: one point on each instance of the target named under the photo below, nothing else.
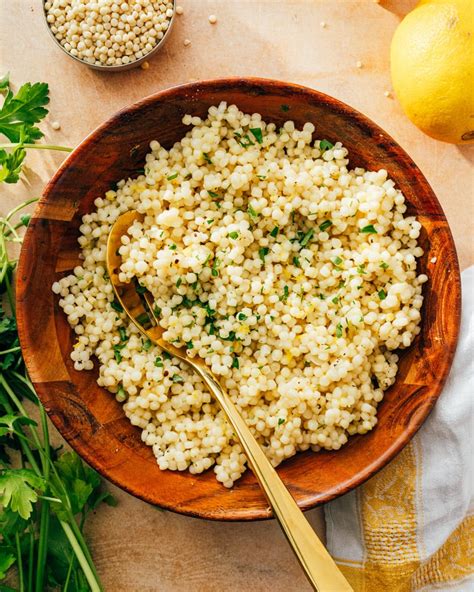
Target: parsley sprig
(19, 115)
(45, 495)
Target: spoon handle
(319, 567)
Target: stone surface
(138, 548)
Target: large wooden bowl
(89, 417)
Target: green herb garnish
(252, 212)
(369, 229)
(257, 133)
(325, 145)
(206, 158)
(233, 235)
(241, 316)
(173, 247)
(382, 294)
(284, 108)
(172, 176)
(339, 330)
(189, 345)
(280, 421)
(177, 378)
(296, 261)
(286, 293)
(115, 304)
(214, 269)
(325, 225)
(179, 281)
(147, 344)
(361, 269)
(275, 232)
(235, 362)
(337, 261)
(158, 362)
(263, 252)
(384, 265)
(307, 237)
(213, 194)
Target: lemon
(432, 62)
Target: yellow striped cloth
(411, 527)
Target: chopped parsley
(117, 349)
(339, 330)
(177, 378)
(206, 158)
(296, 261)
(325, 225)
(368, 229)
(241, 316)
(361, 269)
(115, 304)
(286, 293)
(235, 363)
(140, 289)
(262, 177)
(252, 212)
(214, 268)
(147, 344)
(284, 108)
(382, 294)
(335, 300)
(233, 235)
(189, 345)
(213, 194)
(257, 133)
(337, 261)
(280, 421)
(275, 232)
(156, 311)
(173, 247)
(143, 318)
(179, 281)
(123, 334)
(209, 221)
(307, 237)
(172, 176)
(262, 252)
(384, 265)
(158, 362)
(325, 145)
(244, 140)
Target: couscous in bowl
(114, 447)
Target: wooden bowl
(92, 421)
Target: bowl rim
(315, 499)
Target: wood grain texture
(89, 417)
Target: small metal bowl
(121, 67)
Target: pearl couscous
(109, 32)
(292, 275)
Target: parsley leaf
(369, 229)
(18, 488)
(325, 145)
(382, 294)
(339, 330)
(20, 112)
(275, 232)
(325, 225)
(263, 252)
(257, 133)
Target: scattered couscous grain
(213, 19)
(293, 276)
(387, 94)
(187, 42)
(56, 125)
(359, 64)
(179, 10)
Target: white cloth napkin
(411, 527)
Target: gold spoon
(318, 565)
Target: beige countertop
(136, 547)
